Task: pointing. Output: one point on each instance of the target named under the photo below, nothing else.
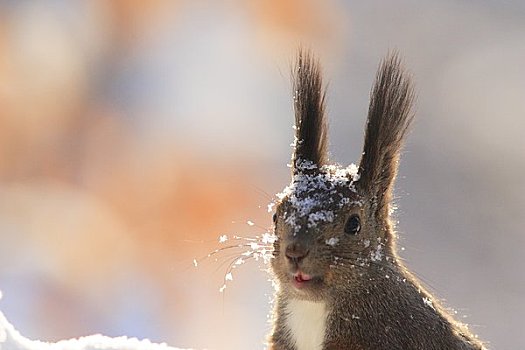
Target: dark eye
(274, 218)
(353, 225)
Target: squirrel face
(325, 235)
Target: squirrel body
(340, 283)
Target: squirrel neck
(306, 321)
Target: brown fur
(373, 301)
(309, 105)
(389, 118)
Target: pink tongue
(301, 277)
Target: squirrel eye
(353, 225)
(274, 218)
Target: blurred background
(134, 133)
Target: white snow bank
(11, 339)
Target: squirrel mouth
(301, 280)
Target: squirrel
(340, 284)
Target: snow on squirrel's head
(333, 223)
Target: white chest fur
(307, 323)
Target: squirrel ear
(309, 105)
(389, 117)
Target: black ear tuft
(309, 105)
(389, 117)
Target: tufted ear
(309, 105)
(389, 117)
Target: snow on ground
(11, 339)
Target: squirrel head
(332, 223)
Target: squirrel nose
(296, 252)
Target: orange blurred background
(134, 133)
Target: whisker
(228, 276)
(263, 192)
(217, 251)
(241, 250)
(240, 238)
(228, 260)
(261, 227)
